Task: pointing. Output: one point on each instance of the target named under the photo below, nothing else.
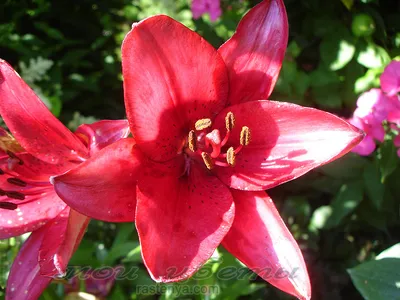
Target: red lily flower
(205, 147)
(43, 148)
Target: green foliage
(379, 279)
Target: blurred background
(342, 214)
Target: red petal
(104, 186)
(255, 52)
(259, 238)
(172, 78)
(102, 133)
(25, 281)
(287, 141)
(62, 238)
(32, 168)
(180, 222)
(45, 137)
(31, 214)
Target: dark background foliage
(342, 214)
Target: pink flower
(390, 79)
(394, 117)
(373, 107)
(200, 7)
(367, 145)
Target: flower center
(9, 193)
(208, 145)
(9, 145)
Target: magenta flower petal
(181, 222)
(45, 137)
(31, 214)
(63, 236)
(24, 281)
(102, 133)
(254, 54)
(212, 7)
(172, 78)
(390, 78)
(104, 187)
(260, 239)
(287, 141)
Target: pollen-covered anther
(9, 143)
(202, 124)
(12, 155)
(245, 136)
(208, 161)
(192, 141)
(229, 121)
(231, 157)
(16, 181)
(8, 205)
(15, 195)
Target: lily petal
(45, 137)
(107, 180)
(63, 236)
(31, 214)
(28, 167)
(181, 222)
(287, 140)
(102, 133)
(24, 280)
(172, 78)
(260, 239)
(254, 54)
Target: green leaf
(388, 159)
(346, 201)
(377, 280)
(293, 49)
(301, 83)
(337, 50)
(368, 81)
(120, 250)
(348, 3)
(320, 217)
(373, 56)
(392, 252)
(327, 96)
(373, 185)
(133, 256)
(347, 167)
(51, 32)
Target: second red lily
(206, 146)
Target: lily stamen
(16, 181)
(230, 121)
(202, 124)
(13, 156)
(15, 195)
(8, 205)
(245, 136)
(209, 145)
(192, 141)
(231, 157)
(207, 160)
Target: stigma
(209, 145)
